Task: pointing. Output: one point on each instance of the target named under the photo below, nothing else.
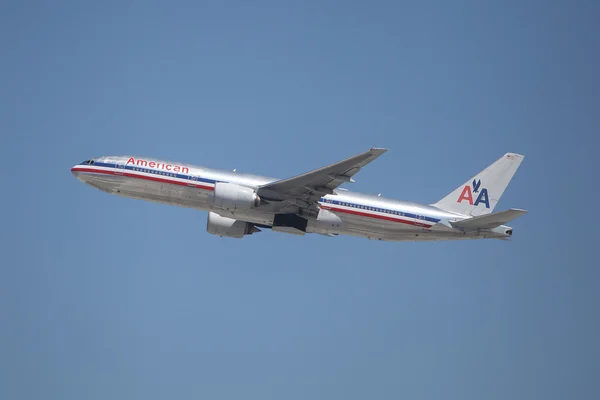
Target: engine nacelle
(229, 196)
(228, 227)
(326, 223)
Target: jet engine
(229, 196)
(228, 227)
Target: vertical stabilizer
(480, 194)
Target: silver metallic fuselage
(192, 186)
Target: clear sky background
(103, 297)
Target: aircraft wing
(488, 221)
(312, 185)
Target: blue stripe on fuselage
(379, 209)
(153, 170)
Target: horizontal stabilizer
(488, 221)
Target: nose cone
(78, 173)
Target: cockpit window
(88, 162)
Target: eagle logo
(467, 194)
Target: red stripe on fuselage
(384, 217)
(148, 178)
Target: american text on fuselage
(242, 204)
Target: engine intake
(228, 227)
(229, 196)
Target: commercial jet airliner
(241, 204)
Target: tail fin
(480, 194)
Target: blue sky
(105, 297)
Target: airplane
(241, 204)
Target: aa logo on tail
(467, 194)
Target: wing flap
(488, 221)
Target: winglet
(378, 150)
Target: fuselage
(192, 186)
